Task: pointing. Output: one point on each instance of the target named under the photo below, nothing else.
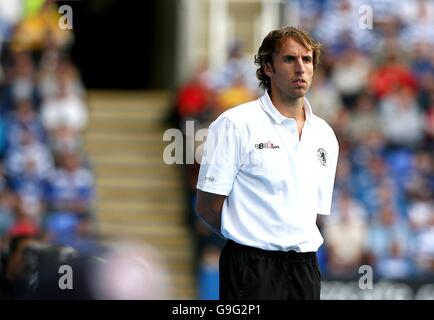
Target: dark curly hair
(272, 43)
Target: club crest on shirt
(322, 156)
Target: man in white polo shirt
(267, 170)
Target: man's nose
(299, 66)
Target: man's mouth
(299, 82)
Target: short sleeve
(222, 158)
(326, 188)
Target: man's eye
(289, 59)
(307, 59)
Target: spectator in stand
(70, 197)
(338, 27)
(64, 116)
(422, 65)
(307, 12)
(387, 230)
(374, 184)
(422, 220)
(29, 189)
(22, 119)
(236, 66)
(411, 11)
(418, 19)
(402, 121)
(10, 13)
(71, 186)
(14, 270)
(234, 95)
(395, 263)
(30, 153)
(192, 98)
(38, 21)
(2, 137)
(346, 233)
(56, 70)
(20, 82)
(325, 97)
(344, 181)
(364, 119)
(420, 192)
(390, 74)
(387, 28)
(350, 75)
(429, 124)
(7, 216)
(420, 178)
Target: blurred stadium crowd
(46, 182)
(375, 87)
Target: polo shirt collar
(272, 111)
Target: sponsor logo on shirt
(266, 145)
(322, 156)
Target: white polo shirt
(275, 183)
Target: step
(141, 139)
(182, 293)
(134, 194)
(141, 205)
(116, 100)
(176, 258)
(130, 159)
(185, 295)
(137, 126)
(139, 183)
(155, 150)
(141, 152)
(136, 207)
(127, 145)
(108, 135)
(140, 197)
(141, 211)
(145, 115)
(138, 159)
(121, 217)
(183, 280)
(143, 229)
(179, 267)
(177, 262)
(125, 216)
(146, 171)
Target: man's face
(292, 70)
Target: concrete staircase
(140, 198)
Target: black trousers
(252, 273)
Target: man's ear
(268, 69)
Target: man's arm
(209, 208)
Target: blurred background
(88, 88)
